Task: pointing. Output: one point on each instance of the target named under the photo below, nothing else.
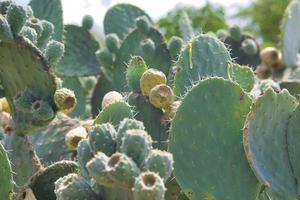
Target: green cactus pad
(120, 19)
(25, 162)
(185, 26)
(42, 183)
(84, 154)
(202, 57)
(50, 10)
(265, 141)
(293, 86)
(242, 75)
(206, 142)
(49, 143)
(79, 58)
(6, 179)
(24, 68)
(131, 45)
(135, 69)
(151, 117)
(114, 113)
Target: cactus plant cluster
(81, 119)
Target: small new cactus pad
(16, 17)
(114, 113)
(135, 69)
(270, 160)
(151, 78)
(175, 44)
(242, 75)
(50, 10)
(101, 138)
(84, 154)
(127, 124)
(201, 124)
(290, 35)
(42, 183)
(149, 186)
(160, 162)
(185, 26)
(120, 19)
(161, 96)
(54, 51)
(87, 22)
(202, 57)
(65, 100)
(73, 137)
(79, 58)
(136, 144)
(74, 187)
(6, 179)
(111, 97)
(143, 24)
(112, 42)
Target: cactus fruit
(127, 124)
(87, 22)
(54, 51)
(6, 179)
(47, 33)
(111, 97)
(74, 136)
(104, 57)
(175, 45)
(143, 24)
(29, 33)
(4, 105)
(149, 186)
(171, 110)
(35, 24)
(73, 187)
(112, 42)
(151, 78)
(272, 57)
(160, 162)
(101, 138)
(148, 47)
(135, 69)
(161, 96)
(16, 17)
(137, 144)
(249, 47)
(65, 100)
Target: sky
(74, 10)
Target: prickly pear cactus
(242, 75)
(6, 179)
(202, 123)
(186, 27)
(202, 57)
(270, 160)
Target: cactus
(193, 134)
(243, 75)
(186, 27)
(135, 69)
(7, 184)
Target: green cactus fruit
(111, 97)
(236, 32)
(65, 100)
(149, 186)
(242, 75)
(42, 183)
(270, 161)
(136, 144)
(249, 47)
(148, 47)
(87, 22)
(97, 168)
(112, 42)
(41, 110)
(114, 113)
(73, 187)
(6, 179)
(135, 69)
(200, 124)
(127, 124)
(29, 33)
(102, 138)
(122, 170)
(202, 57)
(84, 154)
(46, 34)
(175, 45)
(161, 96)
(221, 34)
(151, 78)
(170, 111)
(16, 17)
(143, 24)
(4, 5)
(160, 162)
(73, 137)
(36, 25)
(5, 31)
(104, 57)
(23, 101)
(54, 51)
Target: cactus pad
(6, 189)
